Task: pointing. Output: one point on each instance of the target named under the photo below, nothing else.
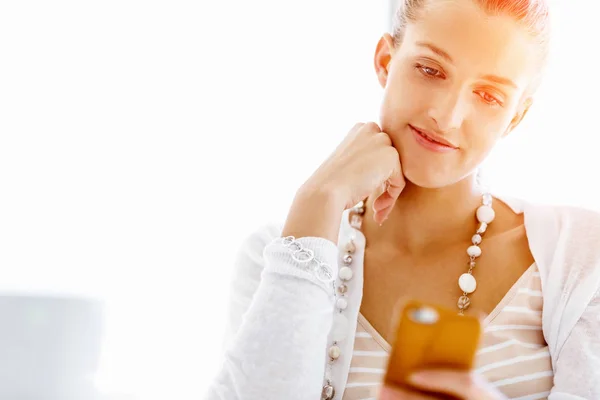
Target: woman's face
(460, 78)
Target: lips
(434, 137)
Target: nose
(448, 109)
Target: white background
(141, 141)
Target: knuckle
(383, 138)
(392, 155)
(371, 127)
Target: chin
(424, 181)
(429, 179)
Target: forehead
(478, 43)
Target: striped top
(513, 355)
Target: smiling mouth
(433, 138)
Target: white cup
(49, 347)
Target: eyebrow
(500, 80)
(493, 78)
(436, 50)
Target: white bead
(476, 239)
(485, 214)
(487, 199)
(342, 304)
(474, 251)
(467, 283)
(345, 273)
(339, 331)
(334, 352)
(482, 228)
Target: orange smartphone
(429, 336)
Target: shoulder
(578, 224)
(565, 241)
(555, 222)
(562, 238)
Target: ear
(523, 108)
(383, 55)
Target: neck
(422, 218)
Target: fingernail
(417, 378)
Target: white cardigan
(280, 316)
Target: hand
(364, 162)
(462, 385)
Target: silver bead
(355, 221)
(347, 259)
(476, 239)
(342, 289)
(463, 302)
(328, 392)
(350, 247)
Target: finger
(396, 181)
(370, 127)
(397, 184)
(384, 201)
(396, 393)
(388, 197)
(381, 216)
(456, 383)
(442, 381)
(389, 393)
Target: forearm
(279, 349)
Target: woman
(458, 76)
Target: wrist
(316, 212)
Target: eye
(489, 99)
(429, 72)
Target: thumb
(384, 203)
(396, 184)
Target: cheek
(403, 99)
(486, 128)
